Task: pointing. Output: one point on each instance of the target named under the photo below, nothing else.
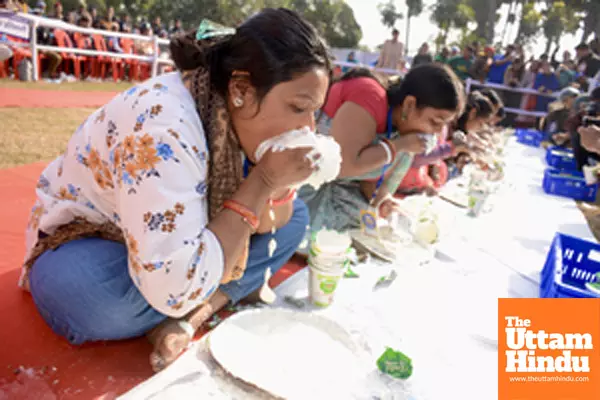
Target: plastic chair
(134, 65)
(21, 53)
(63, 40)
(103, 61)
(83, 42)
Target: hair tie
(209, 29)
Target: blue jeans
(84, 292)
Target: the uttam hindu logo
(526, 344)
(548, 349)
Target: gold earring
(238, 102)
(404, 116)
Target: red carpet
(12, 97)
(35, 363)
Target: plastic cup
(322, 285)
(477, 199)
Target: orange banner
(548, 349)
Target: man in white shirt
(392, 53)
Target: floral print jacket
(140, 162)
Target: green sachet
(350, 273)
(395, 364)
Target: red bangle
(289, 196)
(392, 148)
(247, 216)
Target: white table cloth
(443, 314)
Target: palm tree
(415, 8)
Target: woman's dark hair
(501, 113)
(493, 97)
(361, 73)
(432, 85)
(273, 46)
(483, 109)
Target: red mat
(34, 362)
(14, 97)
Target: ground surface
(36, 122)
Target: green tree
(530, 23)
(486, 17)
(415, 8)
(389, 14)
(451, 14)
(558, 19)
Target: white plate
(404, 253)
(291, 355)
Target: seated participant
(146, 224)
(584, 107)
(378, 134)
(554, 125)
(475, 117)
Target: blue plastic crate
(572, 265)
(569, 184)
(560, 158)
(529, 137)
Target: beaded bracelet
(247, 216)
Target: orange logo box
(548, 349)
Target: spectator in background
(157, 26)
(58, 11)
(350, 59)
(109, 19)
(40, 8)
(481, 65)
(454, 51)
(96, 21)
(144, 47)
(566, 58)
(423, 57)
(21, 6)
(125, 23)
(113, 41)
(83, 40)
(177, 28)
(513, 77)
(462, 64)
(545, 82)
(443, 57)
(584, 106)
(566, 73)
(71, 18)
(500, 64)
(392, 53)
(555, 123)
(588, 63)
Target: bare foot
(170, 339)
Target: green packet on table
(395, 364)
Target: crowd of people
(510, 66)
(135, 232)
(55, 65)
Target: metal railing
(470, 83)
(155, 59)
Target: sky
(422, 29)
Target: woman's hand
(283, 213)
(283, 169)
(590, 138)
(412, 143)
(388, 207)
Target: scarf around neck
(225, 162)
